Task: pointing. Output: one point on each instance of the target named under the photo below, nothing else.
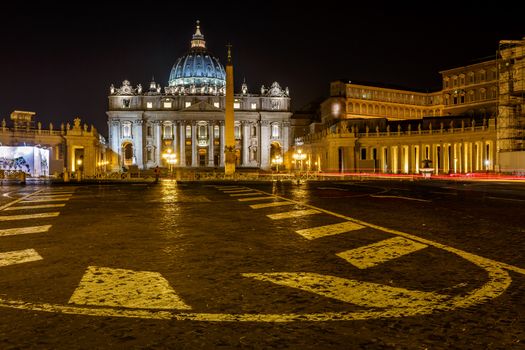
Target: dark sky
(59, 60)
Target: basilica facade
(186, 118)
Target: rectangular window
(216, 105)
(216, 131)
(149, 105)
(187, 104)
(236, 105)
(188, 131)
(167, 104)
(125, 103)
(149, 131)
(254, 105)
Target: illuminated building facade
(476, 123)
(187, 117)
(26, 146)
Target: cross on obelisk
(229, 147)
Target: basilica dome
(198, 71)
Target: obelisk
(229, 146)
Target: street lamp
(299, 156)
(277, 160)
(171, 159)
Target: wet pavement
(355, 264)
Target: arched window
(275, 131)
(216, 132)
(188, 131)
(126, 130)
(202, 132)
(237, 132)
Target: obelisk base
(229, 162)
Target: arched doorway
(127, 153)
(275, 150)
(202, 156)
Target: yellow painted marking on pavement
(231, 188)
(459, 252)
(245, 194)
(380, 252)
(28, 216)
(19, 257)
(43, 206)
(253, 199)
(103, 286)
(293, 214)
(400, 197)
(55, 194)
(19, 200)
(270, 205)
(360, 293)
(24, 230)
(48, 195)
(239, 191)
(329, 230)
(45, 199)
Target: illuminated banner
(31, 160)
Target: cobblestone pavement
(349, 265)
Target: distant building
(187, 117)
(475, 123)
(27, 147)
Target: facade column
(137, 143)
(157, 140)
(286, 136)
(245, 138)
(182, 143)
(265, 146)
(221, 143)
(211, 140)
(194, 162)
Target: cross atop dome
(197, 38)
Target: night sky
(59, 60)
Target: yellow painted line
(231, 188)
(19, 199)
(43, 206)
(253, 199)
(24, 230)
(270, 205)
(400, 197)
(45, 199)
(19, 257)
(293, 214)
(55, 194)
(459, 252)
(380, 252)
(28, 216)
(365, 294)
(103, 286)
(39, 195)
(239, 191)
(245, 194)
(329, 230)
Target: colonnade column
(221, 143)
(211, 141)
(194, 162)
(182, 143)
(245, 138)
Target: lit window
(216, 131)
(149, 105)
(236, 105)
(188, 131)
(254, 105)
(237, 132)
(167, 104)
(275, 131)
(126, 130)
(167, 132)
(216, 105)
(187, 104)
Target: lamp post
(171, 159)
(299, 156)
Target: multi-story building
(27, 146)
(476, 122)
(187, 117)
